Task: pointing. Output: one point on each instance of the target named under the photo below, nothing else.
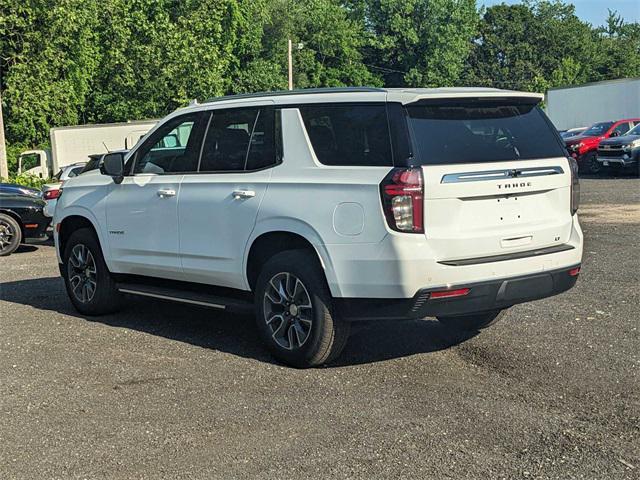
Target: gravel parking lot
(171, 391)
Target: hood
(623, 140)
(581, 138)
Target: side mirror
(615, 133)
(113, 166)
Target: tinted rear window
(349, 134)
(480, 132)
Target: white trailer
(584, 105)
(75, 143)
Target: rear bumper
(50, 207)
(35, 227)
(400, 266)
(482, 296)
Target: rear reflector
(460, 292)
(30, 225)
(574, 271)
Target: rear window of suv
(481, 131)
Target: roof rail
(300, 91)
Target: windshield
(597, 129)
(487, 131)
(29, 161)
(75, 172)
(634, 131)
(58, 175)
(572, 133)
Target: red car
(584, 146)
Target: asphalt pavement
(171, 391)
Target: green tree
(420, 42)
(331, 42)
(618, 49)
(531, 46)
(156, 55)
(48, 60)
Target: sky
(592, 11)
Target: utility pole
(4, 169)
(290, 60)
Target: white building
(583, 105)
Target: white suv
(315, 208)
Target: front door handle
(238, 194)
(166, 192)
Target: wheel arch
(17, 218)
(267, 242)
(70, 224)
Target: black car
(621, 152)
(15, 189)
(21, 217)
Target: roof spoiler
(501, 97)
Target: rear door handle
(238, 194)
(166, 192)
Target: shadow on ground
(236, 334)
(25, 249)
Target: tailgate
(487, 209)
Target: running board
(202, 299)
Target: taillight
(575, 185)
(52, 194)
(402, 193)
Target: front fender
(79, 211)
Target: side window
(262, 149)
(239, 139)
(349, 134)
(622, 128)
(173, 148)
(75, 172)
(227, 141)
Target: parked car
(51, 191)
(72, 144)
(95, 161)
(621, 152)
(584, 147)
(318, 208)
(572, 132)
(15, 189)
(21, 217)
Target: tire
(10, 235)
(294, 311)
(83, 266)
(473, 321)
(591, 164)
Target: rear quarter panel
(327, 205)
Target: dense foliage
(75, 61)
